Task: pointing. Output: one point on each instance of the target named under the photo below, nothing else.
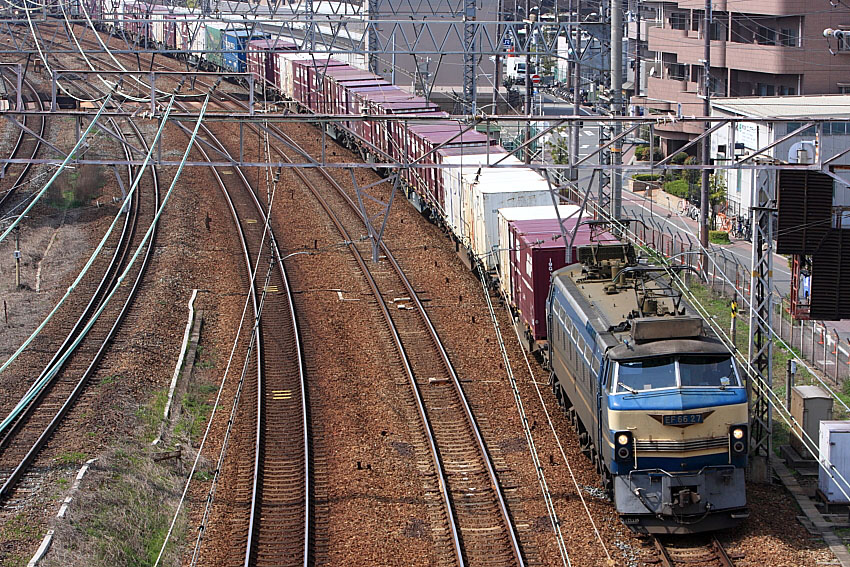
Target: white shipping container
(834, 445)
(510, 214)
(287, 76)
(466, 164)
(158, 24)
(495, 189)
(197, 39)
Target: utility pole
(528, 92)
(373, 34)
(637, 48)
(497, 61)
(706, 110)
(574, 127)
(617, 105)
(760, 340)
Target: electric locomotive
(657, 400)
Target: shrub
(677, 187)
(646, 176)
(642, 153)
(718, 237)
(679, 158)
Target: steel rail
(120, 253)
(443, 354)
(27, 166)
(18, 472)
(714, 547)
(405, 359)
(260, 441)
(495, 485)
(256, 490)
(445, 359)
(259, 351)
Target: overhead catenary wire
(49, 375)
(211, 494)
(97, 249)
(532, 448)
(59, 170)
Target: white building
(805, 147)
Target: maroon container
(424, 139)
(306, 90)
(538, 251)
(262, 61)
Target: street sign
(535, 79)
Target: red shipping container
(262, 62)
(538, 250)
(304, 83)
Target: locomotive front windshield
(685, 371)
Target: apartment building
(758, 48)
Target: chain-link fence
(729, 277)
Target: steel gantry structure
(381, 28)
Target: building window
(788, 37)
(766, 36)
(677, 71)
(787, 91)
(679, 20)
(790, 127)
(718, 29)
(764, 89)
(835, 128)
(844, 88)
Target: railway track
(23, 141)
(277, 486)
(75, 361)
(479, 528)
(711, 553)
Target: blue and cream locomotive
(658, 402)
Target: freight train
(658, 402)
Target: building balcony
(631, 28)
(774, 59)
(762, 7)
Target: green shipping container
(213, 33)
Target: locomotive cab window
(707, 371)
(648, 374)
(685, 371)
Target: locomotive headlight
(623, 447)
(738, 440)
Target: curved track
(479, 527)
(71, 365)
(24, 139)
(277, 530)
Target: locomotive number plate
(682, 419)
